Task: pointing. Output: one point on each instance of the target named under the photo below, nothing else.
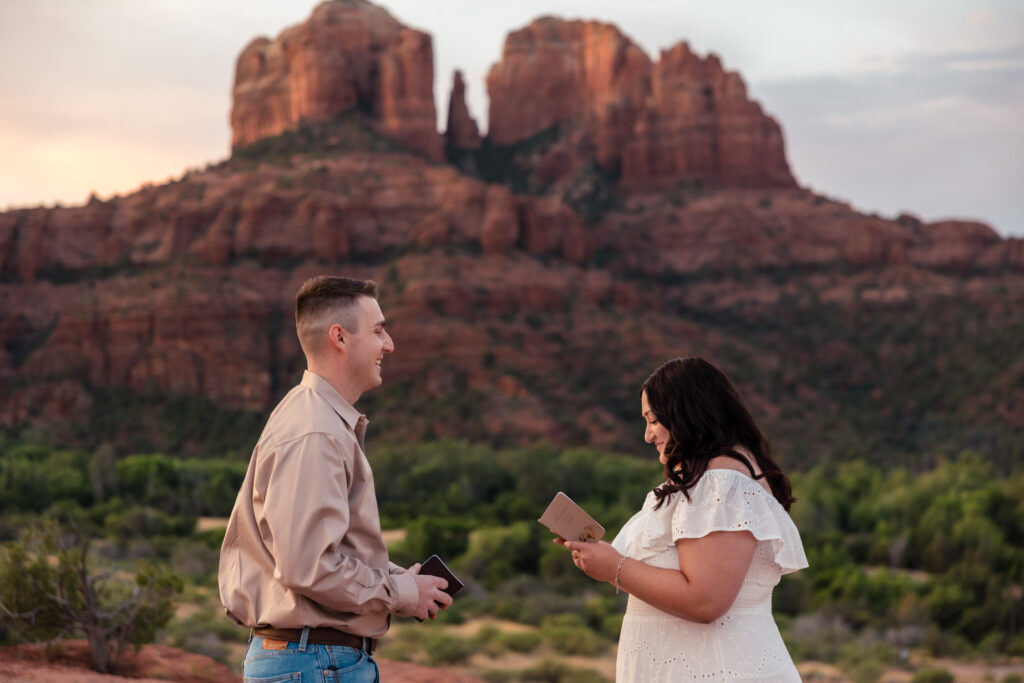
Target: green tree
(50, 588)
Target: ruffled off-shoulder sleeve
(727, 500)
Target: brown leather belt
(320, 635)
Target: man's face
(367, 344)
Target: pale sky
(891, 105)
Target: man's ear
(337, 337)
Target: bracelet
(618, 570)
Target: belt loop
(304, 639)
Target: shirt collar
(343, 408)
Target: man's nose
(389, 344)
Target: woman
(700, 559)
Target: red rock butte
(621, 212)
(680, 118)
(350, 54)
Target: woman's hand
(597, 560)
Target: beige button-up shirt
(303, 546)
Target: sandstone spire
(461, 131)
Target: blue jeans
(315, 663)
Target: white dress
(744, 644)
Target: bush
(569, 635)
(520, 641)
(139, 521)
(611, 625)
(428, 536)
(553, 671)
(49, 588)
(401, 644)
(443, 648)
(865, 671)
(488, 639)
(932, 675)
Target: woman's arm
(711, 572)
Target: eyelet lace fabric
(744, 644)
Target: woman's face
(655, 432)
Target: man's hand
(432, 598)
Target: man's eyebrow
(381, 323)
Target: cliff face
(350, 54)
(680, 119)
(506, 308)
(516, 316)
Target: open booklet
(570, 521)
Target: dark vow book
(435, 567)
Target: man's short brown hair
(325, 300)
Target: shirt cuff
(408, 594)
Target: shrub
(443, 648)
(488, 640)
(520, 641)
(865, 671)
(401, 644)
(552, 671)
(569, 635)
(427, 536)
(932, 675)
(49, 588)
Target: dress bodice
(744, 644)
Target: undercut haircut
(326, 300)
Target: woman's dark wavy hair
(705, 418)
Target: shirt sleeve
(407, 587)
(302, 504)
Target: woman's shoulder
(724, 467)
(726, 462)
(722, 482)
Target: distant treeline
(901, 559)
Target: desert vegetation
(906, 564)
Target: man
(303, 561)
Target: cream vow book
(570, 521)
